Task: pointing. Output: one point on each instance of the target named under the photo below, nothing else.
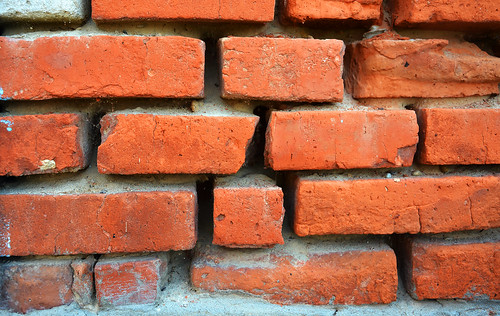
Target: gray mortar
(43, 11)
(458, 238)
(246, 181)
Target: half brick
(282, 69)
(313, 140)
(101, 66)
(51, 143)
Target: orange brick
(282, 69)
(457, 14)
(305, 140)
(388, 66)
(33, 144)
(305, 271)
(97, 223)
(248, 212)
(304, 11)
(446, 267)
(129, 280)
(476, 141)
(149, 144)
(184, 10)
(101, 66)
(333, 204)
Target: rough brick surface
(35, 284)
(129, 280)
(32, 144)
(282, 69)
(54, 11)
(458, 14)
(149, 144)
(184, 10)
(445, 268)
(97, 223)
(83, 281)
(248, 212)
(385, 67)
(101, 66)
(333, 205)
(317, 272)
(459, 136)
(304, 140)
(303, 11)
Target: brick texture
(97, 223)
(304, 140)
(445, 268)
(129, 280)
(303, 11)
(184, 10)
(320, 274)
(248, 212)
(34, 144)
(393, 67)
(427, 204)
(477, 141)
(458, 14)
(149, 144)
(282, 69)
(101, 66)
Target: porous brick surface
(101, 66)
(51, 143)
(306, 140)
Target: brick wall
(289, 157)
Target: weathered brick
(130, 279)
(83, 288)
(56, 224)
(184, 10)
(248, 212)
(388, 66)
(33, 144)
(282, 69)
(476, 141)
(33, 284)
(304, 11)
(41, 11)
(457, 14)
(101, 66)
(304, 140)
(336, 204)
(150, 144)
(452, 266)
(309, 271)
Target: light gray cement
(41, 11)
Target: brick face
(101, 66)
(34, 144)
(184, 10)
(476, 142)
(282, 69)
(305, 140)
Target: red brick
(303, 140)
(303, 11)
(427, 204)
(101, 66)
(447, 267)
(184, 10)
(33, 144)
(97, 223)
(457, 14)
(35, 284)
(83, 281)
(476, 141)
(248, 212)
(388, 66)
(302, 271)
(282, 69)
(129, 280)
(149, 144)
